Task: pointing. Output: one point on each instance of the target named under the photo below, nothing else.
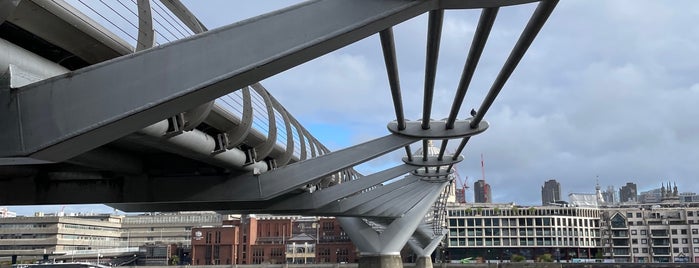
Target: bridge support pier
(381, 250)
(380, 261)
(424, 244)
(423, 262)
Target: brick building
(272, 239)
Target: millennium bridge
(170, 124)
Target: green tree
(174, 260)
(546, 258)
(517, 258)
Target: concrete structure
(482, 192)
(628, 193)
(498, 231)
(5, 213)
(550, 192)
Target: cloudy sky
(608, 89)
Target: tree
(517, 258)
(174, 260)
(545, 258)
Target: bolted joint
(432, 161)
(438, 129)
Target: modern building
(628, 193)
(255, 239)
(550, 192)
(5, 213)
(689, 197)
(39, 237)
(482, 192)
(496, 232)
(650, 196)
(610, 195)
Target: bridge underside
(170, 128)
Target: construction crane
(461, 192)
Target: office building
(650, 196)
(610, 195)
(628, 193)
(550, 192)
(55, 235)
(481, 192)
(496, 232)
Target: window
(685, 250)
(685, 240)
(690, 213)
(618, 221)
(674, 231)
(675, 250)
(695, 240)
(644, 250)
(675, 241)
(633, 232)
(639, 215)
(683, 231)
(643, 232)
(696, 250)
(629, 215)
(635, 250)
(695, 231)
(634, 241)
(644, 241)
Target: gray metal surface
(61, 131)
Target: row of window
(524, 212)
(89, 227)
(478, 242)
(193, 219)
(545, 222)
(479, 232)
(22, 225)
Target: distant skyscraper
(481, 192)
(628, 192)
(550, 192)
(609, 195)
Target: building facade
(657, 233)
(482, 192)
(550, 192)
(628, 193)
(497, 232)
(49, 235)
(255, 239)
(5, 213)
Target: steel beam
(131, 92)
(326, 196)
(353, 201)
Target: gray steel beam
(49, 118)
(480, 37)
(353, 201)
(325, 196)
(268, 185)
(536, 22)
(395, 204)
(461, 4)
(434, 35)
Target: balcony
(659, 233)
(660, 251)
